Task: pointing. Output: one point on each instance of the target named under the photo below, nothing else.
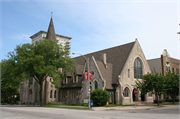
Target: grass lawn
(67, 106)
(177, 103)
(4, 103)
(119, 105)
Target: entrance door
(110, 98)
(142, 97)
(134, 95)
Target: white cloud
(20, 36)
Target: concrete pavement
(138, 107)
(124, 108)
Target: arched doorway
(134, 95)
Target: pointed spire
(51, 32)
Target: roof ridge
(106, 49)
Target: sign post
(135, 92)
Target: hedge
(160, 101)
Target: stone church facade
(114, 69)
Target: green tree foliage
(11, 78)
(152, 82)
(172, 84)
(99, 97)
(44, 59)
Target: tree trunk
(41, 98)
(28, 94)
(3, 99)
(157, 98)
(173, 97)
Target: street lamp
(87, 60)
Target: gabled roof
(106, 73)
(155, 63)
(51, 32)
(70, 83)
(116, 56)
(79, 69)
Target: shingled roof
(51, 32)
(116, 56)
(106, 73)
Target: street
(14, 112)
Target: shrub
(160, 101)
(99, 97)
(53, 103)
(171, 100)
(85, 104)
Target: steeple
(51, 32)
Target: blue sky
(94, 25)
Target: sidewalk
(124, 108)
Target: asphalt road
(12, 112)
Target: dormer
(75, 78)
(65, 80)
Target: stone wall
(129, 82)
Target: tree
(99, 97)
(10, 78)
(152, 82)
(172, 84)
(44, 59)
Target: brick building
(163, 65)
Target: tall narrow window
(138, 71)
(74, 78)
(55, 94)
(62, 95)
(128, 73)
(51, 94)
(74, 94)
(126, 92)
(96, 85)
(177, 71)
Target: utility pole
(88, 81)
(87, 60)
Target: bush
(160, 101)
(171, 100)
(53, 103)
(86, 104)
(99, 97)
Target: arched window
(51, 94)
(96, 85)
(126, 92)
(138, 71)
(55, 94)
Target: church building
(114, 69)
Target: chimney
(103, 58)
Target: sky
(94, 25)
